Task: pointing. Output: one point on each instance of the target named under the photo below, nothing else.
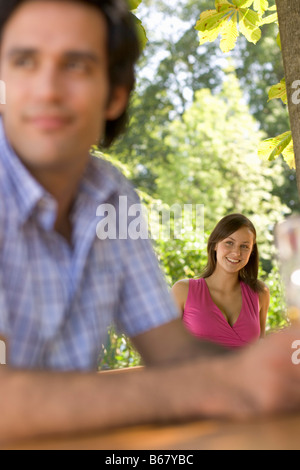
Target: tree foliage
(196, 123)
(230, 19)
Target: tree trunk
(289, 27)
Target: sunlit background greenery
(197, 117)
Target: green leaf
(242, 3)
(261, 6)
(219, 4)
(223, 20)
(211, 19)
(210, 36)
(278, 92)
(289, 155)
(211, 23)
(269, 19)
(271, 148)
(278, 40)
(133, 4)
(248, 25)
(141, 32)
(229, 34)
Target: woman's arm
(180, 292)
(264, 303)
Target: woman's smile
(233, 261)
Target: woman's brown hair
(226, 227)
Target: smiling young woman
(228, 304)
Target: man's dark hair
(123, 50)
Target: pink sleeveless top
(205, 320)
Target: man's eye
(25, 62)
(76, 65)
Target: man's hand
(270, 364)
(261, 380)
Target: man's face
(55, 66)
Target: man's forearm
(35, 404)
(259, 380)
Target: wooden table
(278, 433)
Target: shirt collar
(30, 196)
(98, 183)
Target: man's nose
(48, 84)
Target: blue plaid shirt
(57, 302)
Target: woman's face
(234, 252)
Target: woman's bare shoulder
(264, 295)
(181, 285)
(180, 292)
(264, 292)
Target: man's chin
(46, 160)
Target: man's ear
(118, 103)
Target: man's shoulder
(103, 164)
(106, 172)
